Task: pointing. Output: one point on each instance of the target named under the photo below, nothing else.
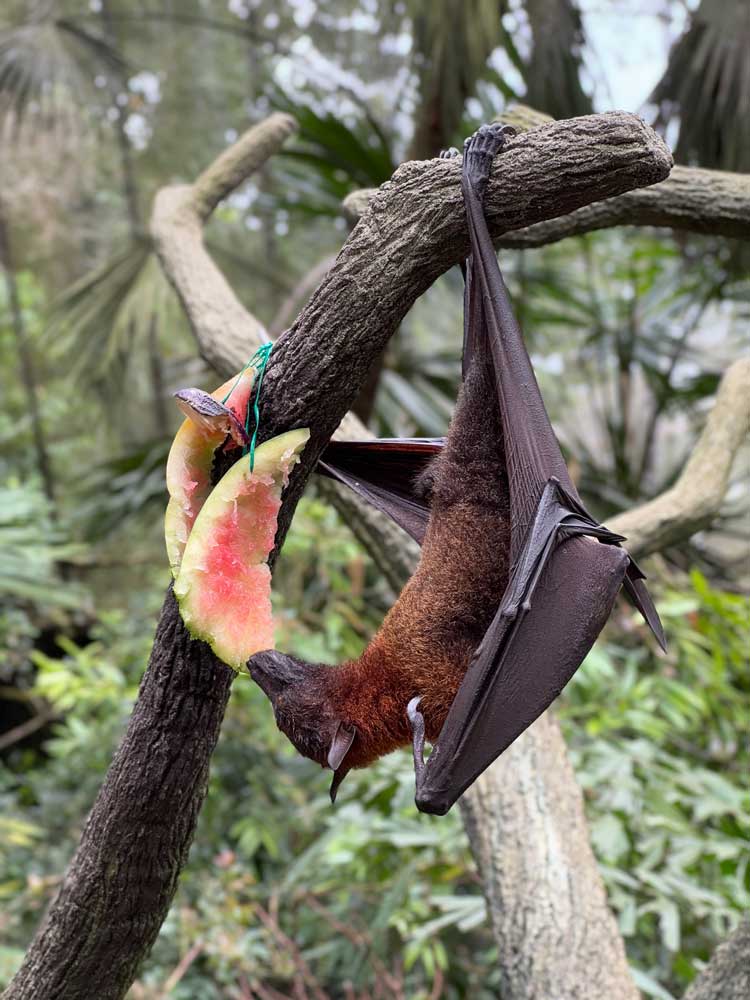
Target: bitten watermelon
(189, 465)
(224, 583)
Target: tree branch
(120, 883)
(555, 933)
(699, 201)
(413, 231)
(226, 332)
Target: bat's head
(302, 695)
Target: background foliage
(100, 103)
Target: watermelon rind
(224, 583)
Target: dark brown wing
(385, 472)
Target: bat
(515, 579)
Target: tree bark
(556, 935)
(698, 201)
(727, 975)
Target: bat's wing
(562, 584)
(386, 473)
(532, 453)
(560, 594)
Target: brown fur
(426, 641)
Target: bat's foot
(479, 151)
(449, 154)
(416, 721)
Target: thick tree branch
(555, 932)
(226, 332)
(122, 878)
(413, 231)
(699, 201)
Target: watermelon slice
(191, 457)
(224, 583)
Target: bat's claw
(479, 151)
(416, 721)
(411, 711)
(449, 154)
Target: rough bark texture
(124, 873)
(700, 201)
(727, 975)
(555, 932)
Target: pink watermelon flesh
(224, 583)
(189, 466)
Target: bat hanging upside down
(514, 583)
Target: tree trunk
(528, 833)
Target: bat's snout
(270, 671)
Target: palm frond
(706, 87)
(451, 45)
(329, 158)
(108, 314)
(48, 65)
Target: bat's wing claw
(411, 711)
(416, 721)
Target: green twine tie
(259, 361)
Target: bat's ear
(340, 747)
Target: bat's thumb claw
(411, 709)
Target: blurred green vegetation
(102, 103)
